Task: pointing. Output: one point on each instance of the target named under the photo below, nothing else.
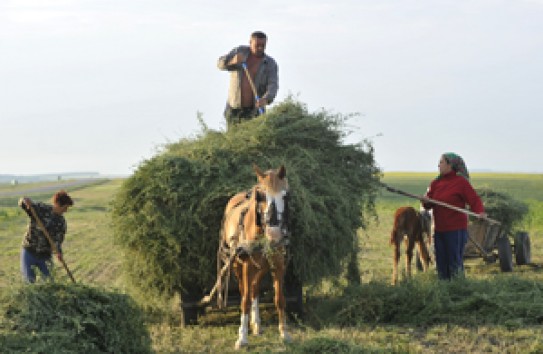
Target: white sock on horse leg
(243, 332)
(255, 317)
(283, 333)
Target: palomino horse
(409, 225)
(254, 231)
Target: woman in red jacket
(452, 186)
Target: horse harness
(264, 218)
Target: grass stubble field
(489, 311)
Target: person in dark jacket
(452, 186)
(242, 104)
(37, 250)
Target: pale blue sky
(100, 85)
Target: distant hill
(47, 177)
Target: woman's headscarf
(457, 163)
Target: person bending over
(36, 248)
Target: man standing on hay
(37, 247)
(253, 80)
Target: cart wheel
(523, 249)
(294, 295)
(190, 313)
(294, 304)
(191, 307)
(505, 254)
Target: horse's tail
(393, 236)
(396, 225)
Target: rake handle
(54, 247)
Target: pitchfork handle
(251, 83)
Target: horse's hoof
(240, 344)
(257, 330)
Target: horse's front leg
(244, 287)
(424, 256)
(278, 275)
(255, 322)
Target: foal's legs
(395, 256)
(410, 244)
(424, 255)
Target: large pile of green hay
(60, 318)
(167, 215)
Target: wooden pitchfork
(51, 242)
(251, 83)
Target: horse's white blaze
(274, 233)
(279, 203)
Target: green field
(490, 311)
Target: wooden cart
(492, 243)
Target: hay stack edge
(167, 215)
